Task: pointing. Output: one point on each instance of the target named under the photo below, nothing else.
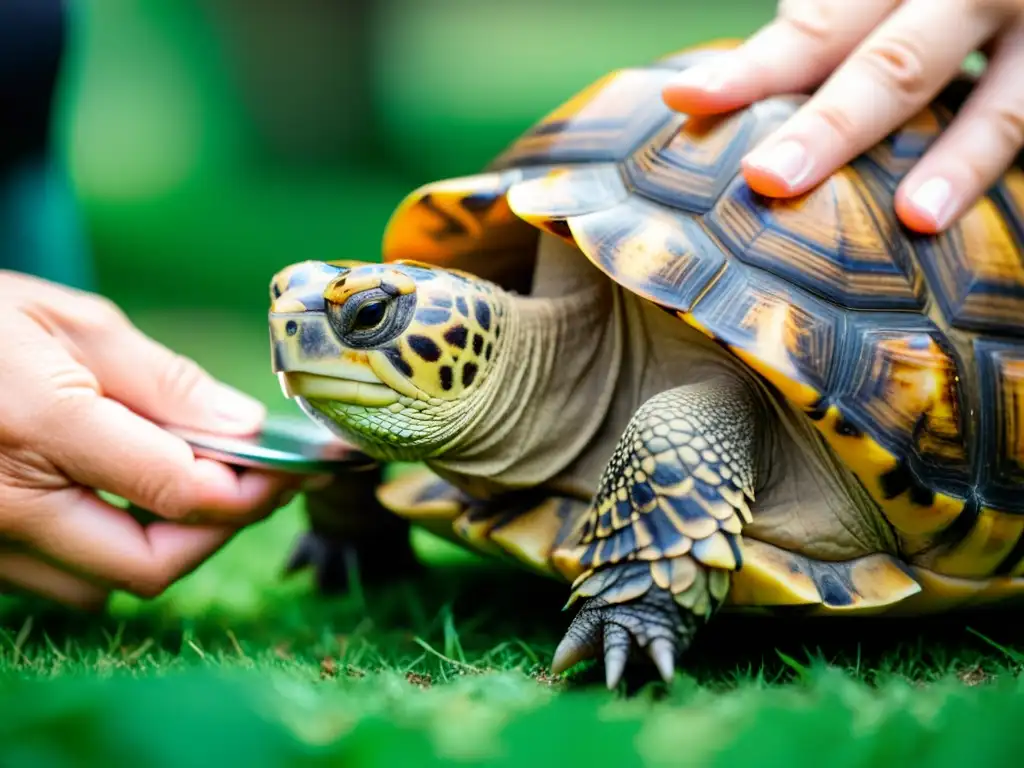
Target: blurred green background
(210, 142)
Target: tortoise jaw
(351, 391)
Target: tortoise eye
(369, 316)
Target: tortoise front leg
(350, 529)
(662, 536)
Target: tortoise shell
(906, 351)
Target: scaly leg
(654, 557)
(350, 529)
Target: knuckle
(24, 473)
(165, 497)
(900, 63)
(809, 18)
(99, 314)
(1008, 122)
(180, 377)
(840, 121)
(22, 517)
(73, 391)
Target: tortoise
(617, 365)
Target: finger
(975, 149)
(62, 424)
(794, 52)
(27, 573)
(77, 529)
(143, 374)
(897, 70)
(167, 387)
(99, 443)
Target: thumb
(161, 385)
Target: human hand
(83, 392)
(890, 57)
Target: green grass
(235, 665)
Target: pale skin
(84, 396)
(875, 63)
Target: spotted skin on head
(419, 341)
(452, 337)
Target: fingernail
(788, 161)
(317, 482)
(932, 198)
(706, 77)
(231, 405)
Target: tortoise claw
(663, 653)
(653, 622)
(616, 653)
(571, 651)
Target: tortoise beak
(313, 387)
(310, 363)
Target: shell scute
(976, 267)
(788, 336)
(666, 258)
(900, 382)
(604, 122)
(775, 578)
(464, 223)
(991, 546)
(547, 201)
(894, 156)
(690, 162)
(840, 240)
(1001, 384)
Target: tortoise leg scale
(661, 537)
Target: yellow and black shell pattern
(906, 351)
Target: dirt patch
(973, 676)
(422, 681)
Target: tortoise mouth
(349, 390)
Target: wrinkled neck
(552, 384)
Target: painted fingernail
(788, 161)
(933, 198)
(231, 405)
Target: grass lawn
(235, 665)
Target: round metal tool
(285, 444)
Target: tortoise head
(392, 357)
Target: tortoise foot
(333, 560)
(654, 623)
